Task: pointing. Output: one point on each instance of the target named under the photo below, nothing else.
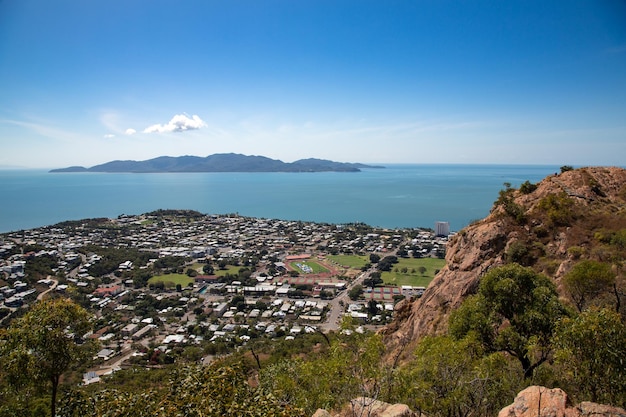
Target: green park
(349, 261)
(416, 272)
(171, 280)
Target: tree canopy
(42, 345)
(591, 349)
(587, 280)
(514, 311)
(455, 378)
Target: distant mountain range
(228, 162)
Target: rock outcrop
(561, 212)
(538, 401)
(364, 406)
(534, 401)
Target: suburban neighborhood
(172, 283)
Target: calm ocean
(397, 196)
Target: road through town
(336, 305)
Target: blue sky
(422, 81)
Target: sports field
(308, 267)
(407, 271)
(171, 280)
(230, 269)
(349, 261)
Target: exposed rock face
(321, 413)
(364, 406)
(593, 198)
(533, 401)
(544, 402)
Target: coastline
(400, 196)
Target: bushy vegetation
(515, 311)
(524, 253)
(587, 281)
(111, 258)
(38, 267)
(37, 349)
(212, 391)
(506, 200)
(527, 187)
(558, 209)
(456, 378)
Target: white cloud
(109, 136)
(130, 131)
(179, 123)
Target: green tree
(350, 368)
(387, 263)
(591, 349)
(372, 307)
(355, 292)
(43, 344)
(586, 280)
(514, 311)
(455, 378)
(373, 280)
(506, 200)
(326, 295)
(527, 187)
(558, 208)
(519, 252)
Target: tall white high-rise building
(442, 228)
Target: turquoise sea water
(396, 196)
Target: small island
(229, 162)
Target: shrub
(575, 252)
(590, 349)
(527, 187)
(540, 231)
(507, 202)
(558, 208)
(519, 252)
(619, 239)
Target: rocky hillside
(531, 402)
(549, 226)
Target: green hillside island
(228, 162)
(513, 324)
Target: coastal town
(177, 283)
